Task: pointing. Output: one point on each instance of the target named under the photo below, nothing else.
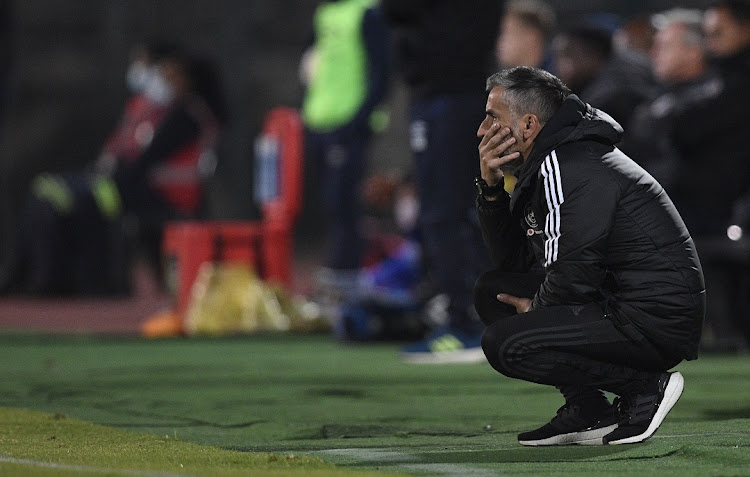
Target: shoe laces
(566, 413)
(623, 410)
(633, 409)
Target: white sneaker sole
(469, 355)
(585, 438)
(671, 394)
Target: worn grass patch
(35, 443)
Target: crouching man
(598, 286)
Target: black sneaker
(573, 425)
(642, 414)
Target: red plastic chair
(266, 244)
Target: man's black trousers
(578, 349)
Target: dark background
(66, 61)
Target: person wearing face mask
(159, 177)
(142, 113)
(148, 171)
(163, 182)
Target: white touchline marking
(85, 468)
(705, 434)
(450, 470)
(370, 455)
(403, 460)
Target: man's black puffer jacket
(603, 229)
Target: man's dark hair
(739, 9)
(530, 90)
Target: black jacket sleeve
(176, 131)
(503, 236)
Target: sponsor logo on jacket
(531, 223)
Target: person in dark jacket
(444, 50)
(615, 81)
(712, 195)
(679, 63)
(706, 190)
(670, 139)
(598, 286)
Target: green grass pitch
(307, 405)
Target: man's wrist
(488, 192)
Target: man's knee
(486, 303)
(482, 283)
(508, 350)
(493, 345)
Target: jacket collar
(575, 120)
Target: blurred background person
(526, 29)
(713, 181)
(345, 72)
(586, 61)
(727, 29)
(389, 286)
(148, 171)
(445, 52)
(635, 35)
(680, 68)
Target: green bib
(338, 86)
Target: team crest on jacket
(531, 222)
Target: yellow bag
(229, 298)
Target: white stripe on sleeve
(554, 194)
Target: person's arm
(375, 35)
(117, 143)
(581, 200)
(503, 236)
(177, 130)
(377, 43)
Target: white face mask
(158, 90)
(406, 212)
(137, 76)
